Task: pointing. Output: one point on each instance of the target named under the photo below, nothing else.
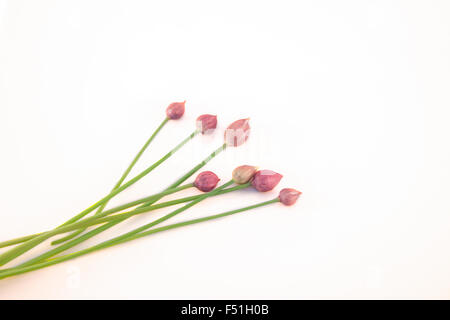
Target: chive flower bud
(243, 174)
(289, 196)
(175, 110)
(206, 123)
(237, 132)
(206, 181)
(266, 180)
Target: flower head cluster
(175, 110)
(243, 174)
(237, 133)
(206, 123)
(289, 196)
(266, 180)
(206, 181)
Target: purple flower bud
(266, 180)
(289, 196)
(206, 181)
(206, 123)
(175, 110)
(237, 132)
(243, 174)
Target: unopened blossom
(243, 174)
(237, 132)
(206, 181)
(206, 123)
(175, 110)
(266, 180)
(289, 196)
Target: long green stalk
(198, 220)
(121, 180)
(169, 215)
(106, 226)
(129, 205)
(28, 245)
(104, 213)
(136, 158)
(14, 241)
(99, 220)
(193, 170)
(132, 181)
(81, 224)
(118, 240)
(111, 224)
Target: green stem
(14, 241)
(118, 240)
(125, 215)
(128, 205)
(111, 224)
(26, 246)
(132, 181)
(193, 170)
(122, 216)
(136, 158)
(83, 223)
(119, 183)
(194, 221)
(164, 218)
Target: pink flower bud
(243, 174)
(206, 123)
(289, 196)
(175, 110)
(206, 181)
(237, 132)
(266, 180)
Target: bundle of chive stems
(96, 218)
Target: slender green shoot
(99, 220)
(111, 224)
(26, 246)
(125, 238)
(121, 180)
(129, 205)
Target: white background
(349, 100)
